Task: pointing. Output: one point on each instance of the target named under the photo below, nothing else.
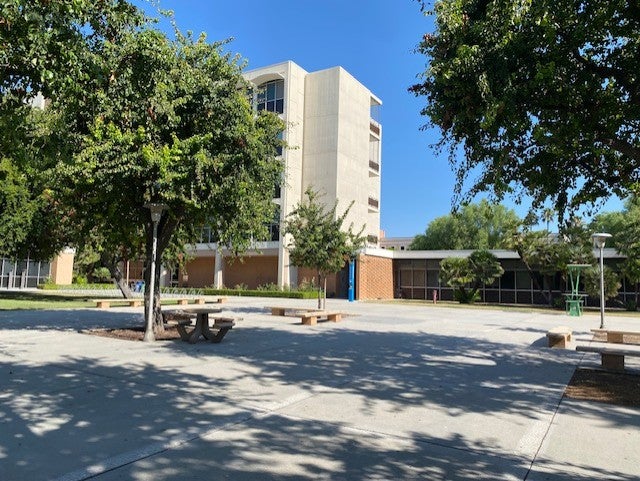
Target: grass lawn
(35, 300)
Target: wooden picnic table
(201, 328)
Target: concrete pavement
(391, 392)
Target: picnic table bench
(616, 336)
(183, 320)
(611, 356)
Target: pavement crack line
(131, 457)
(551, 421)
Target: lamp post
(599, 240)
(156, 213)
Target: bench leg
(614, 362)
(182, 302)
(184, 334)
(559, 340)
(220, 334)
(334, 317)
(277, 312)
(310, 320)
(135, 303)
(103, 305)
(615, 337)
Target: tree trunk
(122, 283)
(324, 297)
(534, 278)
(114, 268)
(319, 291)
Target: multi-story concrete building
(334, 146)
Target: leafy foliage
(44, 47)
(467, 274)
(625, 230)
(542, 98)
(475, 226)
(591, 280)
(547, 254)
(319, 239)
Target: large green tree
(319, 238)
(133, 118)
(475, 226)
(168, 121)
(536, 97)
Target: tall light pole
(599, 239)
(156, 213)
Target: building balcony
(374, 168)
(374, 204)
(375, 127)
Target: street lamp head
(156, 210)
(600, 238)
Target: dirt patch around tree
(622, 389)
(134, 333)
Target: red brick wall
(309, 274)
(251, 270)
(199, 272)
(374, 277)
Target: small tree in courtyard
(319, 240)
(467, 274)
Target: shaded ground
(622, 389)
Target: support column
(284, 276)
(218, 279)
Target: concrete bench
(290, 311)
(559, 336)
(311, 318)
(612, 356)
(615, 336)
(183, 301)
(106, 303)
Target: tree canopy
(539, 98)
(475, 226)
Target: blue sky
(374, 41)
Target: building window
(271, 96)
(274, 226)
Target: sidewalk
(391, 392)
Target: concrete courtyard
(393, 392)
